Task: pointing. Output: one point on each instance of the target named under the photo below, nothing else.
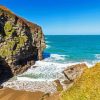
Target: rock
(21, 42)
(1, 87)
(74, 71)
(45, 96)
(67, 82)
(58, 85)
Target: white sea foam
(97, 56)
(48, 69)
(48, 46)
(55, 57)
(58, 57)
(45, 71)
(89, 65)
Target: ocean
(61, 51)
(73, 48)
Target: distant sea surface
(73, 48)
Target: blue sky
(59, 16)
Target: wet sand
(10, 94)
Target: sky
(57, 17)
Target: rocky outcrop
(72, 74)
(21, 42)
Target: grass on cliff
(87, 87)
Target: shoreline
(33, 85)
(38, 95)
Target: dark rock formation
(5, 71)
(21, 42)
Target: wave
(97, 56)
(54, 57)
(48, 46)
(47, 71)
(50, 68)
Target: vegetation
(39, 34)
(8, 29)
(87, 87)
(6, 50)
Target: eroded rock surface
(73, 73)
(21, 42)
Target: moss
(6, 50)
(21, 40)
(16, 39)
(87, 87)
(8, 28)
(39, 34)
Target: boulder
(73, 72)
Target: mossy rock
(39, 34)
(6, 50)
(8, 28)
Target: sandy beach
(10, 94)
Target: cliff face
(20, 41)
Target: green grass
(86, 88)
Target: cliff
(21, 42)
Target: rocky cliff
(21, 42)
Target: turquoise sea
(73, 48)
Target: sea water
(61, 51)
(74, 48)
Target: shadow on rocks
(5, 71)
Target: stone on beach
(74, 71)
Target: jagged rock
(21, 41)
(72, 74)
(74, 71)
(1, 87)
(58, 85)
